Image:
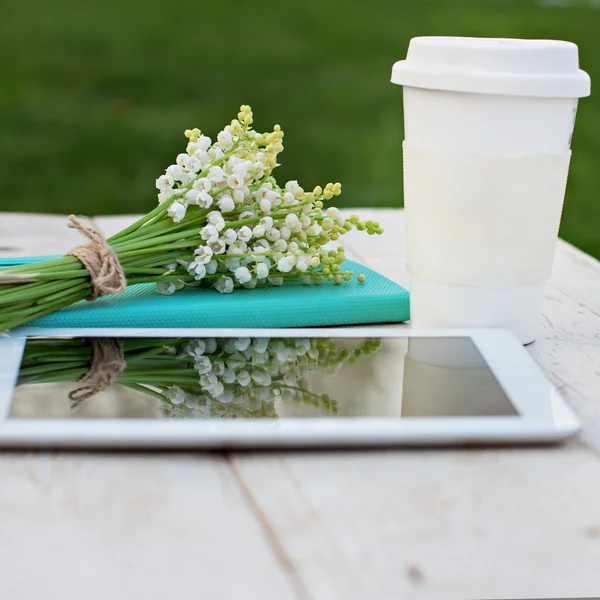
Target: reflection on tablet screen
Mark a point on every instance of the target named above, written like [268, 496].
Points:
[255, 378]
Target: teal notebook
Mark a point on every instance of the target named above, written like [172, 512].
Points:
[378, 300]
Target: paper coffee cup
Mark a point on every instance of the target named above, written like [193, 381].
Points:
[488, 127]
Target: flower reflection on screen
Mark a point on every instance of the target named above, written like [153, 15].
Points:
[238, 377]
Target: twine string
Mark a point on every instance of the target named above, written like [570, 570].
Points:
[108, 360]
[99, 259]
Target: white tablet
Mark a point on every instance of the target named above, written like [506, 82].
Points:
[273, 388]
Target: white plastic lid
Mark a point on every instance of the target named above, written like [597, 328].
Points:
[541, 68]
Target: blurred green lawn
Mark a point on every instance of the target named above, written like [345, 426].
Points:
[94, 96]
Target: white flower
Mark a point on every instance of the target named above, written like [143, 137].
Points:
[177, 173]
[250, 285]
[225, 139]
[216, 219]
[271, 196]
[176, 211]
[193, 164]
[209, 233]
[289, 199]
[238, 195]
[242, 343]
[205, 200]
[302, 346]
[259, 169]
[315, 261]
[203, 365]
[333, 213]
[244, 378]
[261, 246]
[166, 288]
[165, 195]
[192, 196]
[290, 186]
[239, 247]
[203, 254]
[218, 246]
[204, 184]
[285, 232]
[273, 235]
[305, 220]
[211, 345]
[302, 264]
[241, 167]
[232, 263]
[218, 367]
[262, 270]
[197, 269]
[204, 142]
[182, 159]
[265, 206]
[229, 376]
[258, 231]
[215, 153]
[285, 264]
[243, 275]
[289, 378]
[280, 245]
[292, 247]
[226, 203]
[216, 175]
[235, 181]
[211, 267]
[176, 395]
[229, 236]
[208, 381]
[261, 344]
[245, 234]
[217, 391]
[164, 182]
[267, 223]
[196, 347]
[224, 285]
[260, 194]
[276, 281]
[292, 221]
[261, 377]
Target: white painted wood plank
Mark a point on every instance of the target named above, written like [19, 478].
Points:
[128, 526]
[30, 234]
[113, 224]
[456, 524]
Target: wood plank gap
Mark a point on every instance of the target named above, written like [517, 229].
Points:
[271, 538]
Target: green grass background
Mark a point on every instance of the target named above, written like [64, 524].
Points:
[95, 95]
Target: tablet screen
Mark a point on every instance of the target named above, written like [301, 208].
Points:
[255, 378]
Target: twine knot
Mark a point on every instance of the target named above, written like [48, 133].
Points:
[99, 259]
[108, 360]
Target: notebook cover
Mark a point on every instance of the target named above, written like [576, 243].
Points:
[378, 300]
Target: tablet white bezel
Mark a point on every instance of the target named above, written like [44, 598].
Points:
[520, 377]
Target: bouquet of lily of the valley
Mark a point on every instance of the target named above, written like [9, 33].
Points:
[222, 221]
[204, 378]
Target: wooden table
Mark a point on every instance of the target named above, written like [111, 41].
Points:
[376, 525]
